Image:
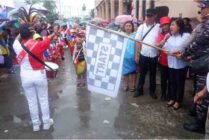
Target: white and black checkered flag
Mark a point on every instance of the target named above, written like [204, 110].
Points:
[105, 52]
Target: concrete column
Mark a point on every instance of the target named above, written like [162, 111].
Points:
[107, 13]
[134, 8]
[112, 9]
[120, 5]
[103, 10]
[99, 11]
[140, 10]
[148, 4]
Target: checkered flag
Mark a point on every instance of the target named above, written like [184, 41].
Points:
[105, 52]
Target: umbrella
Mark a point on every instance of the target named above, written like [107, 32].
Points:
[40, 8]
[100, 20]
[7, 3]
[20, 3]
[3, 16]
[13, 14]
[124, 18]
[113, 26]
[2, 25]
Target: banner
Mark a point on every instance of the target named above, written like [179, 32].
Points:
[104, 55]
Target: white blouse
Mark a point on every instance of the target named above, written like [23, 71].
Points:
[174, 43]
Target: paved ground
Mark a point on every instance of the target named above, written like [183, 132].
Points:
[80, 114]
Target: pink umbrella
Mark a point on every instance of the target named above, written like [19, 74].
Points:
[100, 20]
[124, 18]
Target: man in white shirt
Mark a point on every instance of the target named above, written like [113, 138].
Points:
[146, 56]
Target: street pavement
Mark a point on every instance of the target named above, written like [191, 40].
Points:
[80, 114]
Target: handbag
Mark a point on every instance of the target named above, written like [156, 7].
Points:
[200, 65]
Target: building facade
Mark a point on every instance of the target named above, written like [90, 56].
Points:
[109, 9]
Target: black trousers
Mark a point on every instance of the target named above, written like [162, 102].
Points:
[165, 84]
[177, 79]
[202, 109]
[147, 64]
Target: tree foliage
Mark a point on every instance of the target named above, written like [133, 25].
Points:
[84, 7]
[50, 5]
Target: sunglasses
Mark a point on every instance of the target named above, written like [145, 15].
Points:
[150, 15]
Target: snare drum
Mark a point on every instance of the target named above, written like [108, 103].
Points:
[49, 73]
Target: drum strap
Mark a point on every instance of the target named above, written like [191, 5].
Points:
[23, 53]
[78, 55]
[35, 57]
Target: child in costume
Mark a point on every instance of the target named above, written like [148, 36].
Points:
[56, 49]
[80, 62]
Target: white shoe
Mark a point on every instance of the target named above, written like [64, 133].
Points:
[36, 128]
[47, 126]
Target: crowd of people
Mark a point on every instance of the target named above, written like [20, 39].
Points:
[34, 46]
[7, 55]
[180, 48]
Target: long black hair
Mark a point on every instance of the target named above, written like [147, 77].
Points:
[180, 23]
[130, 22]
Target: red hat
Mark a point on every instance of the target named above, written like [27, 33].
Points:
[165, 20]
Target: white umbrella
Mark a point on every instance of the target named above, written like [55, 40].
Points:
[13, 14]
[39, 7]
[7, 3]
[20, 3]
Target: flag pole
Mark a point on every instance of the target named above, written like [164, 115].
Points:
[126, 36]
